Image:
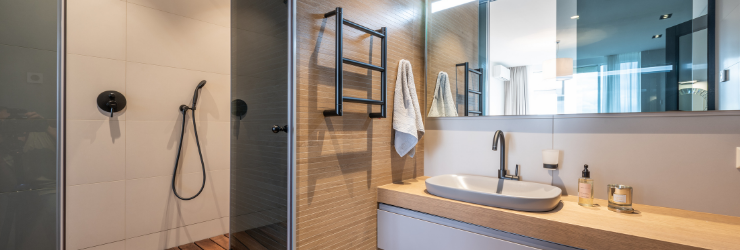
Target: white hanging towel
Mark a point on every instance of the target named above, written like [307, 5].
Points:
[443, 104]
[406, 112]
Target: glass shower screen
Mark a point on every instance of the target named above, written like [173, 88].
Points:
[28, 124]
[260, 131]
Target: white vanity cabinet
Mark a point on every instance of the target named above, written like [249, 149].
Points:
[403, 229]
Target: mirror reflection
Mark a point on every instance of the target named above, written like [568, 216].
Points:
[540, 57]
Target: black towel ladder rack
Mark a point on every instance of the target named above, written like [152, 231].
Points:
[478, 72]
[339, 98]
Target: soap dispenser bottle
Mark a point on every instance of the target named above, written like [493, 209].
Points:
[586, 188]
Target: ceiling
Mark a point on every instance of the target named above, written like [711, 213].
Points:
[608, 27]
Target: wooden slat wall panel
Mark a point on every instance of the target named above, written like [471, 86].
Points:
[341, 160]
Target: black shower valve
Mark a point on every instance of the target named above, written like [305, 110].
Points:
[111, 101]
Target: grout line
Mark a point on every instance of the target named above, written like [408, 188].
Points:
[728, 67]
[105, 244]
[187, 17]
[17, 46]
[125, 139]
[141, 178]
[152, 64]
[175, 228]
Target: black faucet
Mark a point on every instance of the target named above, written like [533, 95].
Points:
[502, 174]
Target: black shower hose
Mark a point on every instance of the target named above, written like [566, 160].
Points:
[184, 110]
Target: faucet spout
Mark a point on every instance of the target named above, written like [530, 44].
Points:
[498, 137]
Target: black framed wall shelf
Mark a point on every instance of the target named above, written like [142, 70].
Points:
[469, 91]
[339, 98]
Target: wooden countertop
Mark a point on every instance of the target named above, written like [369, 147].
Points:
[582, 227]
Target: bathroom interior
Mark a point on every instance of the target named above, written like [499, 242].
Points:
[468, 124]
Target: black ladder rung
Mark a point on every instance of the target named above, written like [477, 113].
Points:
[474, 92]
[475, 71]
[360, 100]
[363, 65]
[475, 112]
[363, 28]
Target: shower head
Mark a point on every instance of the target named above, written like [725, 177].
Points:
[195, 95]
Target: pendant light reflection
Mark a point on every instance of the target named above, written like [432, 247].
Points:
[559, 69]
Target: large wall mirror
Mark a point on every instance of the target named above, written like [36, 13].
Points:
[543, 57]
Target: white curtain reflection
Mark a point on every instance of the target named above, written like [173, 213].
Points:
[620, 91]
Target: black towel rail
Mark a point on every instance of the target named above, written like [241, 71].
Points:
[339, 98]
[478, 72]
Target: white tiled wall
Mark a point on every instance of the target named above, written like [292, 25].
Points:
[119, 169]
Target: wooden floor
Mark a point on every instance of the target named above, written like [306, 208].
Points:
[262, 238]
[220, 242]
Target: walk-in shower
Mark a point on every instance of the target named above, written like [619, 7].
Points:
[89, 133]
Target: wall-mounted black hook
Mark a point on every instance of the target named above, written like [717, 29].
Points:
[239, 108]
[111, 101]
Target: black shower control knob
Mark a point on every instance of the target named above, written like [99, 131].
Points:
[111, 101]
[277, 128]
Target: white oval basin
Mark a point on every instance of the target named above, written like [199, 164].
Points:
[491, 191]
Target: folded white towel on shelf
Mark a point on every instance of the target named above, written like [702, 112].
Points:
[407, 120]
[443, 104]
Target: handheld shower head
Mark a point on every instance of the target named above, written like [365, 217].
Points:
[195, 95]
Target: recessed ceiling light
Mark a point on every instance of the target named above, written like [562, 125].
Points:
[575, 17]
[658, 36]
[666, 16]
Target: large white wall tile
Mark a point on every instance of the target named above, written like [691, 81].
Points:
[213, 11]
[87, 77]
[152, 146]
[179, 236]
[151, 207]
[95, 214]
[96, 151]
[161, 38]
[28, 23]
[97, 28]
[155, 93]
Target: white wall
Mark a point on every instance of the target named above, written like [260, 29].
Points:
[676, 160]
[119, 169]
